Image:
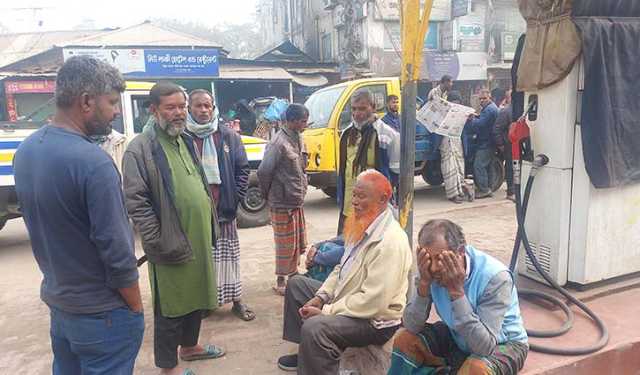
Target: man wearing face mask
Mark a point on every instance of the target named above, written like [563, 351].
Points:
[71, 198]
[226, 167]
[169, 201]
[367, 143]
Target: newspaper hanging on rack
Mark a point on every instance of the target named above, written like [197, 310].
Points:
[445, 118]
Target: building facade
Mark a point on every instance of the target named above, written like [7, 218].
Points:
[471, 40]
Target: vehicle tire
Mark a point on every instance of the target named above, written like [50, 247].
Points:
[432, 174]
[253, 210]
[496, 173]
[331, 191]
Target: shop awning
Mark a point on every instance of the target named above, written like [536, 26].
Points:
[309, 80]
[253, 72]
[268, 73]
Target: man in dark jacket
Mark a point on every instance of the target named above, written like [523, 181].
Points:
[501, 135]
[226, 167]
[283, 181]
[482, 127]
[168, 198]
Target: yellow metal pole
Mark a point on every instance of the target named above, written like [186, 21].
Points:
[414, 26]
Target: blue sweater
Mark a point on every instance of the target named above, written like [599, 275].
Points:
[71, 198]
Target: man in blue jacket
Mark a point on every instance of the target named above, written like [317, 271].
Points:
[482, 127]
[481, 331]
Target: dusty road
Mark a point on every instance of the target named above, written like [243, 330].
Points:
[252, 348]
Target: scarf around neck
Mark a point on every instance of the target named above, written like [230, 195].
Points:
[209, 152]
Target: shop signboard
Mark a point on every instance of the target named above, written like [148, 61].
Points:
[155, 63]
[509, 44]
[460, 8]
[30, 87]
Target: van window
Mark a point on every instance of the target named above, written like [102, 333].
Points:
[321, 105]
[140, 105]
[379, 93]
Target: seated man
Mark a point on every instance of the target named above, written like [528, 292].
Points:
[481, 331]
[361, 302]
[323, 257]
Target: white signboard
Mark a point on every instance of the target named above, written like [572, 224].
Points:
[126, 60]
[442, 117]
[390, 10]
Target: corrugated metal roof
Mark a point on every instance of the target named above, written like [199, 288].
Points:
[16, 47]
[145, 34]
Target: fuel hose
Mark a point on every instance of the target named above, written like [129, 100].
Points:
[521, 238]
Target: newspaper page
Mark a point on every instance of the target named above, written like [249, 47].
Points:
[442, 117]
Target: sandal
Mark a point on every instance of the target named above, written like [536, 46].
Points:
[280, 290]
[243, 312]
[210, 352]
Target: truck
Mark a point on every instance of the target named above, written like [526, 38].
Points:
[252, 210]
[330, 113]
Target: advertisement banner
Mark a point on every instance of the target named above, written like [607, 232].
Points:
[155, 63]
[389, 10]
[461, 66]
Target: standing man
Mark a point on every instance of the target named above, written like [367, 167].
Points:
[442, 90]
[367, 143]
[482, 127]
[283, 181]
[392, 117]
[501, 135]
[226, 167]
[168, 200]
[452, 163]
[72, 202]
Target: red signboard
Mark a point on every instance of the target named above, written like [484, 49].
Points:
[29, 87]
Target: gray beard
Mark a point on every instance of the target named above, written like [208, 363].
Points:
[171, 129]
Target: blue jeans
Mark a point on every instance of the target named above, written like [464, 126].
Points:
[92, 344]
[481, 168]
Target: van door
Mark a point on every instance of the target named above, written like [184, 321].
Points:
[135, 112]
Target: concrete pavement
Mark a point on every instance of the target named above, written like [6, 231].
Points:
[252, 347]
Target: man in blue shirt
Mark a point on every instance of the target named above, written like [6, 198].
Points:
[482, 127]
[71, 197]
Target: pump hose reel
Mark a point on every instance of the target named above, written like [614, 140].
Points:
[519, 135]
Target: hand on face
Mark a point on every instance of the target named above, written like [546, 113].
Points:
[453, 273]
[424, 266]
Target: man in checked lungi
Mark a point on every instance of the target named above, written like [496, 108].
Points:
[283, 181]
[226, 167]
[481, 331]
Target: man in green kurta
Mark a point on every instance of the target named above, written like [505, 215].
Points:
[169, 202]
